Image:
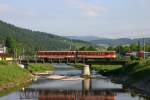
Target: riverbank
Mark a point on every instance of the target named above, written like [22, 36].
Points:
[12, 76]
[135, 74]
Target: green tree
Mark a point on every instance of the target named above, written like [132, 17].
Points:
[134, 47]
[110, 48]
[82, 48]
[91, 48]
[122, 50]
[10, 44]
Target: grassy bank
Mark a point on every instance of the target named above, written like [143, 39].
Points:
[134, 74]
[134, 71]
[77, 65]
[11, 75]
[40, 67]
[107, 69]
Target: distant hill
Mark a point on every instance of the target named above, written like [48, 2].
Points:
[34, 40]
[112, 42]
[83, 38]
[121, 41]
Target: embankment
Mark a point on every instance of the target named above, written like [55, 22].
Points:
[135, 74]
[12, 76]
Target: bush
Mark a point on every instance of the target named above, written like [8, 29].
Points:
[3, 63]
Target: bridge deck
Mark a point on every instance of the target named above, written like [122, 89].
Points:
[89, 62]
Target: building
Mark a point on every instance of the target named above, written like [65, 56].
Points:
[140, 54]
[2, 49]
[4, 56]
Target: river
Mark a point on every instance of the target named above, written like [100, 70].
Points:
[96, 88]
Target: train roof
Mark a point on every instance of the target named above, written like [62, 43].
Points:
[76, 51]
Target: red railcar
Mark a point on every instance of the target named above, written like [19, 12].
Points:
[56, 54]
[79, 54]
[97, 54]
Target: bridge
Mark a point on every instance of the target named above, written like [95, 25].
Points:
[86, 57]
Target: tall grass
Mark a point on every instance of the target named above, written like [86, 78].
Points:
[11, 73]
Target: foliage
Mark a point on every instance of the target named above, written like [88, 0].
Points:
[88, 48]
[3, 63]
[107, 69]
[110, 48]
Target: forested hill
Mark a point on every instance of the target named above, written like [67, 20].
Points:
[120, 41]
[31, 41]
[110, 42]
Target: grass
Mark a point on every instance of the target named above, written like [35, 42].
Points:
[40, 67]
[135, 70]
[12, 76]
[11, 73]
[78, 65]
[140, 71]
[107, 69]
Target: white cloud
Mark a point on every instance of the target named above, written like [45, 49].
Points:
[4, 8]
[86, 7]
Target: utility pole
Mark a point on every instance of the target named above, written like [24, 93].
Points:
[71, 45]
[139, 46]
[23, 56]
[144, 47]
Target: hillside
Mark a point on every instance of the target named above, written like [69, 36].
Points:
[83, 38]
[112, 42]
[34, 40]
[121, 41]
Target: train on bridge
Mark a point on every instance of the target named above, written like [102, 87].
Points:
[76, 54]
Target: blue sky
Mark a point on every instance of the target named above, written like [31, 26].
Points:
[102, 18]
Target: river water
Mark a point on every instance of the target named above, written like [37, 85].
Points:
[96, 88]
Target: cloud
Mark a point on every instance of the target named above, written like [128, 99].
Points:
[5, 8]
[86, 7]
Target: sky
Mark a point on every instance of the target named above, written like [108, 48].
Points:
[101, 18]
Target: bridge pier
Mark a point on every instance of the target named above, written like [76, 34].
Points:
[86, 71]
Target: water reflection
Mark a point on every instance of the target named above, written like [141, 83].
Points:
[86, 93]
